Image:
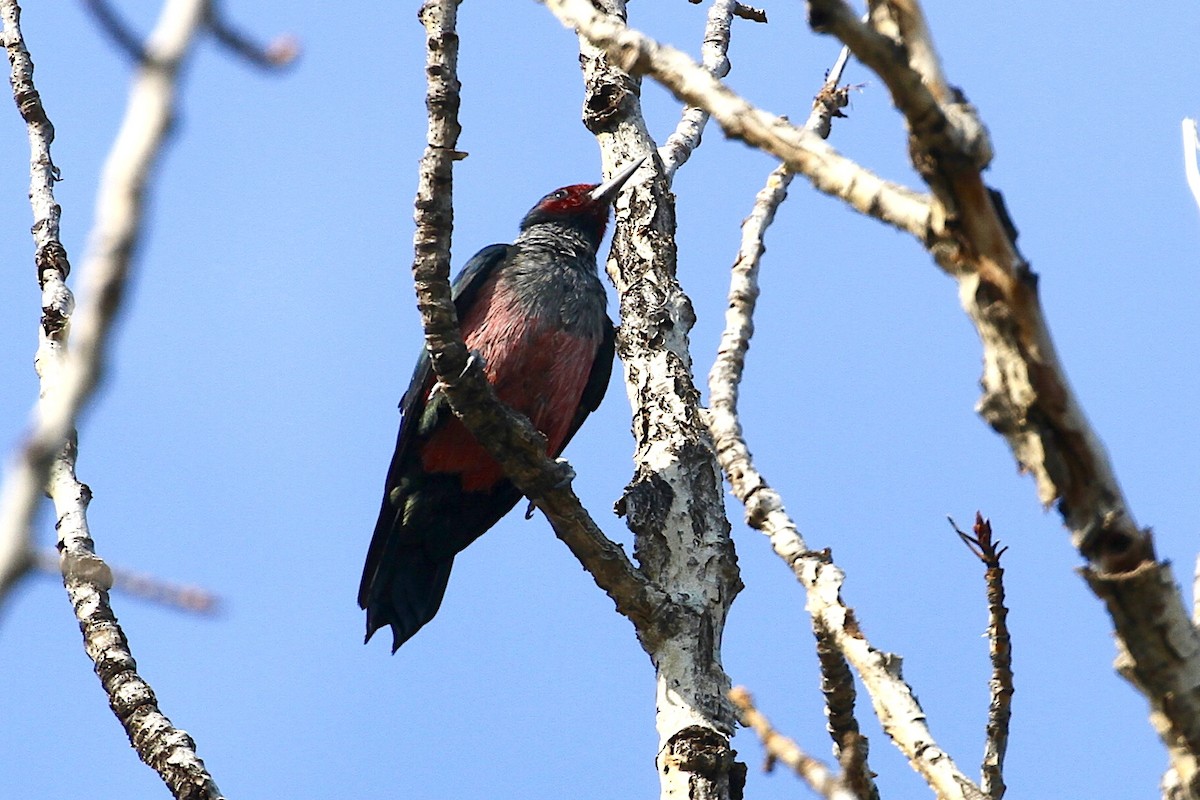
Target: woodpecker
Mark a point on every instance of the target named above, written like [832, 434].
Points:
[534, 310]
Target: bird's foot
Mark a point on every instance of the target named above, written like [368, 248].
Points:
[566, 473]
[475, 357]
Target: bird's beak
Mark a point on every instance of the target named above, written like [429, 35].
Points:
[607, 192]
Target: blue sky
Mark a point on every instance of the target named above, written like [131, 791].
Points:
[242, 438]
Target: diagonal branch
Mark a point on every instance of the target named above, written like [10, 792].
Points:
[1027, 398]
[820, 778]
[123, 36]
[508, 437]
[806, 154]
[282, 52]
[192, 599]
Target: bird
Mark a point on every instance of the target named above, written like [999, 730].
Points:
[535, 312]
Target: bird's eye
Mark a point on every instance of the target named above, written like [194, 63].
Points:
[560, 194]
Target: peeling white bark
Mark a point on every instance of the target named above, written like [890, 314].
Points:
[674, 502]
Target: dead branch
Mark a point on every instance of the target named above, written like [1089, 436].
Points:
[192, 599]
[281, 52]
[714, 54]
[1000, 686]
[820, 778]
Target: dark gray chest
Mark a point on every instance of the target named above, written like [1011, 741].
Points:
[553, 279]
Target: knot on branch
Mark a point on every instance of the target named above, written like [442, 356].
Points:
[706, 753]
[645, 506]
[86, 568]
[609, 99]
[968, 131]
[51, 255]
[1112, 544]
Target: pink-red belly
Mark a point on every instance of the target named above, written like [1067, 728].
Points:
[540, 373]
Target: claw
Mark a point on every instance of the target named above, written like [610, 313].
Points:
[566, 472]
[475, 357]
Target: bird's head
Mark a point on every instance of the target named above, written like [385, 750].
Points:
[583, 206]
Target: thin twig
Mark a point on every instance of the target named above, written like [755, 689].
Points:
[67, 379]
[752, 13]
[1000, 685]
[118, 30]
[1027, 398]
[714, 55]
[832, 619]
[192, 599]
[508, 437]
[913, 75]
[281, 52]
[811, 770]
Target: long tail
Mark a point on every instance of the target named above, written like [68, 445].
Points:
[405, 593]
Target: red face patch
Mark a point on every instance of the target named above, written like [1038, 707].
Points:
[568, 199]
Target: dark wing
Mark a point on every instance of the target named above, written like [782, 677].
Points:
[413, 410]
[597, 382]
[463, 291]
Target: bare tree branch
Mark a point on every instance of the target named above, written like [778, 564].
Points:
[724, 379]
[742, 10]
[282, 52]
[1027, 398]
[192, 599]
[686, 138]
[989, 551]
[25, 476]
[829, 171]
[113, 239]
[849, 745]
[110, 21]
[67, 379]
[812, 771]
[895, 703]
[1026, 395]
[752, 13]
